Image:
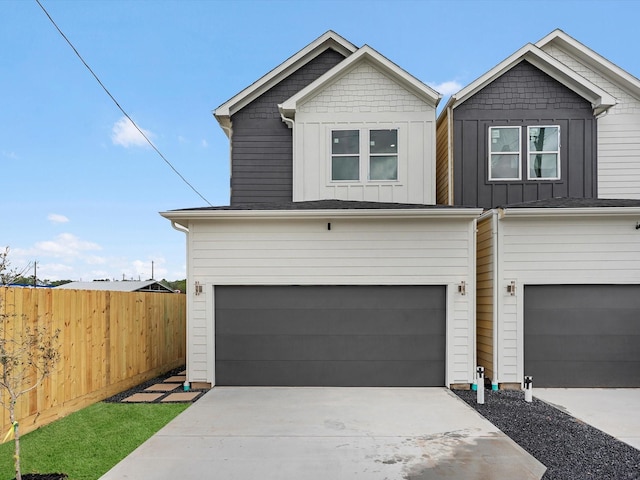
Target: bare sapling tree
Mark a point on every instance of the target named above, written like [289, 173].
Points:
[8, 274]
[28, 355]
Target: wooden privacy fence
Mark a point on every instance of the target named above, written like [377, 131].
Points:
[109, 341]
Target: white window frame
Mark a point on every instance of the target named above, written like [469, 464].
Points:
[338, 155]
[543, 152]
[491, 153]
[364, 156]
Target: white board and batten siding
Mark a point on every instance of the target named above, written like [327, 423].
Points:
[618, 132]
[365, 99]
[559, 249]
[353, 252]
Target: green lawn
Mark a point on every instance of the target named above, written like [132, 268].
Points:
[86, 444]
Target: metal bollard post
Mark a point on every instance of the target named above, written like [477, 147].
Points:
[528, 389]
[480, 381]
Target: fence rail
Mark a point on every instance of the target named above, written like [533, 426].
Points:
[109, 341]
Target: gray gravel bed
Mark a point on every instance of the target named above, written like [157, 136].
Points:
[569, 448]
[143, 386]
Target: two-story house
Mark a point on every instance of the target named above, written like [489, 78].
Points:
[332, 265]
[548, 142]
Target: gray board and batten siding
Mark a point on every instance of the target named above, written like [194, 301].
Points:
[582, 335]
[330, 335]
[523, 96]
[262, 144]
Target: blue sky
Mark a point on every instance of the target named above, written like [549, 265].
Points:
[81, 191]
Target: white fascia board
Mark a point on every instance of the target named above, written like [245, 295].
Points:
[568, 212]
[581, 52]
[408, 81]
[599, 98]
[184, 217]
[328, 40]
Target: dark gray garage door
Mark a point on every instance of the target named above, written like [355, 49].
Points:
[582, 335]
[330, 335]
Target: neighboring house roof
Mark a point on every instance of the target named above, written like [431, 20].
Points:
[599, 98]
[573, 206]
[124, 286]
[380, 62]
[329, 40]
[319, 209]
[577, 50]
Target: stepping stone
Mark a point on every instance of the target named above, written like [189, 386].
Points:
[176, 379]
[161, 387]
[143, 397]
[181, 397]
[200, 385]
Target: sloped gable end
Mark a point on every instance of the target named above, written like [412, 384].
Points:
[371, 101]
[364, 89]
[597, 69]
[619, 130]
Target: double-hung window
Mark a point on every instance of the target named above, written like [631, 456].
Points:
[371, 154]
[544, 153]
[504, 153]
[345, 155]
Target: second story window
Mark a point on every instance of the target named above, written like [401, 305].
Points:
[383, 155]
[541, 160]
[544, 153]
[345, 155]
[368, 154]
[504, 153]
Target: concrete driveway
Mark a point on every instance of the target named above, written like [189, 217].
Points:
[319, 433]
[615, 411]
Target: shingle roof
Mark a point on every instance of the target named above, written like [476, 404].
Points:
[324, 205]
[566, 202]
[124, 286]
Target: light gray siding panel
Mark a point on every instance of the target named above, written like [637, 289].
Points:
[330, 335]
[582, 335]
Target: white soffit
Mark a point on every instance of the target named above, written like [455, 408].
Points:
[366, 53]
[599, 98]
[584, 54]
[328, 40]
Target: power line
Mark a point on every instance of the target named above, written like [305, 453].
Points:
[119, 107]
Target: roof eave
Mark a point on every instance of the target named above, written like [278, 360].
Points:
[408, 81]
[596, 61]
[184, 217]
[328, 40]
[568, 212]
[600, 99]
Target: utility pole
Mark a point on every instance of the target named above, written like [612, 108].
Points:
[152, 277]
[35, 274]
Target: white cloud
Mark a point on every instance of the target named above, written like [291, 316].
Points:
[204, 143]
[64, 245]
[10, 155]
[125, 134]
[57, 218]
[446, 88]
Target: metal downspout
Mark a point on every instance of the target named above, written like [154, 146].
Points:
[496, 304]
[187, 384]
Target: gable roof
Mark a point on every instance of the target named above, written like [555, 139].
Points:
[329, 40]
[594, 60]
[368, 54]
[599, 98]
[124, 286]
